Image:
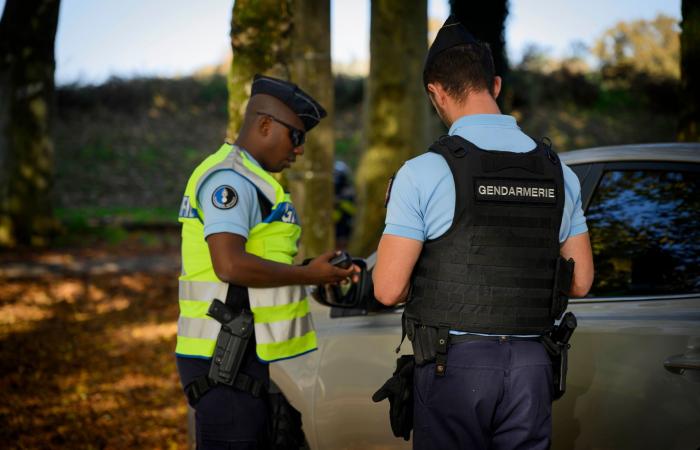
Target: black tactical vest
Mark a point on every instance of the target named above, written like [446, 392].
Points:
[493, 271]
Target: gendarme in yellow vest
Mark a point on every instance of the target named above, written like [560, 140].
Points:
[283, 325]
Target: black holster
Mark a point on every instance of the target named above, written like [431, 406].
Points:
[399, 390]
[557, 342]
[231, 343]
[424, 341]
[559, 355]
[557, 345]
[429, 344]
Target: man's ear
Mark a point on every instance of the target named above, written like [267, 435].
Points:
[436, 94]
[264, 125]
[497, 83]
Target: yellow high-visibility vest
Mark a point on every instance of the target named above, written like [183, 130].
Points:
[283, 325]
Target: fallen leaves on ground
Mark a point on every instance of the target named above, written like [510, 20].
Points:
[88, 363]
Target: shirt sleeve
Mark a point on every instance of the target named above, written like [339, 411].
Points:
[403, 215]
[229, 204]
[573, 221]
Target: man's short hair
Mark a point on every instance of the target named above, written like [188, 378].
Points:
[462, 69]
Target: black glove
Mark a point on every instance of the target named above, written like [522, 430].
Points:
[399, 390]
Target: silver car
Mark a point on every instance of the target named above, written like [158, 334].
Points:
[634, 366]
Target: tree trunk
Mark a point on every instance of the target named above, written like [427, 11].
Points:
[396, 110]
[261, 33]
[486, 21]
[689, 125]
[290, 39]
[27, 32]
[311, 178]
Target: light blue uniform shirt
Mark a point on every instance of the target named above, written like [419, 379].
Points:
[240, 218]
[422, 201]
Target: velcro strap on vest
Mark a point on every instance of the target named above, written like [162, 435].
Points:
[203, 384]
[506, 161]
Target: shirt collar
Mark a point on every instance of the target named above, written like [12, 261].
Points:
[253, 160]
[250, 157]
[484, 120]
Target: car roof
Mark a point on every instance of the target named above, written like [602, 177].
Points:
[672, 152]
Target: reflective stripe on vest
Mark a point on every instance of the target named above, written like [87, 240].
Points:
[283, 325]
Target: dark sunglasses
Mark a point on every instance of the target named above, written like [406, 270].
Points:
[296, 135]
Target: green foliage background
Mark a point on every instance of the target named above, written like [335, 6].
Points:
[124, 149]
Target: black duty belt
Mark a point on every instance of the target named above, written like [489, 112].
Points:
[457, 338]
[203, 384]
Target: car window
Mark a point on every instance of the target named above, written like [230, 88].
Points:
[645, 233]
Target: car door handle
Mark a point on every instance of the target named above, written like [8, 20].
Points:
[680, 363]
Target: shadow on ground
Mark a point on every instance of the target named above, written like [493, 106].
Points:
[86, 360]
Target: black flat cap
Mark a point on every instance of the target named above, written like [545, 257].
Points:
[452, 34]
[302, 104]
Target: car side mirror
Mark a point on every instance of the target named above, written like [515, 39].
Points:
[349, 296]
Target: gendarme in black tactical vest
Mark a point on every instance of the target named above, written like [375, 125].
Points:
[485, 282]
[494, 270]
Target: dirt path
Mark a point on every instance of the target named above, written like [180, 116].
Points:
[72, 266]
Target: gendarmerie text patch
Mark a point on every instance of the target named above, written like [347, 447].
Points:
[511, 190]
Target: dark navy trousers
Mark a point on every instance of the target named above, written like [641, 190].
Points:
[496, 394]
[226, 418]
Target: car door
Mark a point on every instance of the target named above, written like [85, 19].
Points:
[357, 357]
[333, 386]
[634, 378]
